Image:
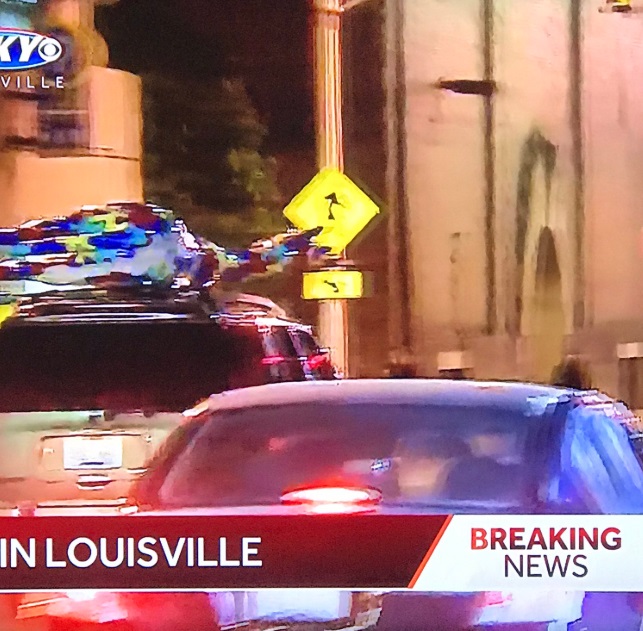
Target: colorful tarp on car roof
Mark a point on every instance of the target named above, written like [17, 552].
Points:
[132, 243]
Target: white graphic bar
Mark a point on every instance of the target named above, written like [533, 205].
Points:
[579, 552]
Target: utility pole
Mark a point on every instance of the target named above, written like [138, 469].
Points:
[333, 314]
[401, 339]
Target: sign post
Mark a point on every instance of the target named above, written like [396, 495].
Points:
[332, 202]
[333, 315]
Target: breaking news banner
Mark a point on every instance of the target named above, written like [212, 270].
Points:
[463, 553]
[573, 552]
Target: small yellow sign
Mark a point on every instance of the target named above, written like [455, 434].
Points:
[332, 201]
[6, 311]
[333, 285]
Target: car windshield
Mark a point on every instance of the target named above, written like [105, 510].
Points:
[414, 454]
[155, 366]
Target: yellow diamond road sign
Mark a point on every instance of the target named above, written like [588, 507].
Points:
[335, 203]
[333, 285]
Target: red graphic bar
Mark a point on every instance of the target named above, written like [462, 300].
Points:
[139, 552]
[430, 551]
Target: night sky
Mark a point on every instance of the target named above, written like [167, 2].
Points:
[269, 44]
[266, 42]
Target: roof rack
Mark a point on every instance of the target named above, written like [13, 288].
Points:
[127, 302]
[250, 303]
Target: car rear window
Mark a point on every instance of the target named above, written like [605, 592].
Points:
[158, 366]
[277, 343]
[416, 455]
[282, 360]
[304, 343]
[147, 487]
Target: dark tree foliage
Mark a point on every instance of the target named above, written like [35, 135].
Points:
[202, 136]
[203, 158]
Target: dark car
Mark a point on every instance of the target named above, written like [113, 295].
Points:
[429, 447]
[315, 360]
[94, 380]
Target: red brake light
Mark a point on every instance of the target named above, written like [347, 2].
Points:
[340, 497]
[495, 599]
[25, 509]
[273, 359]
[73, 609]
[316, 361]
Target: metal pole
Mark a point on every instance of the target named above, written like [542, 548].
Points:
[578, 155]
[401, 341]
[489, 163]
[333, 314]
[401, 194]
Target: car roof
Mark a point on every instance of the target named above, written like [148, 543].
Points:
[502, 395]
[109, 307]
[130, 304]
[261, 320]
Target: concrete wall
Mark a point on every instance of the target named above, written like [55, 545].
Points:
[533, 56]
[115, 117]
[52, 186]
[614, 130]
[38, 184]
[445, 175]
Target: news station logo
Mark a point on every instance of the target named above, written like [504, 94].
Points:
[21, 51]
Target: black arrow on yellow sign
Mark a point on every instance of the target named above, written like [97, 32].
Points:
[333, 201]
[333, 285]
